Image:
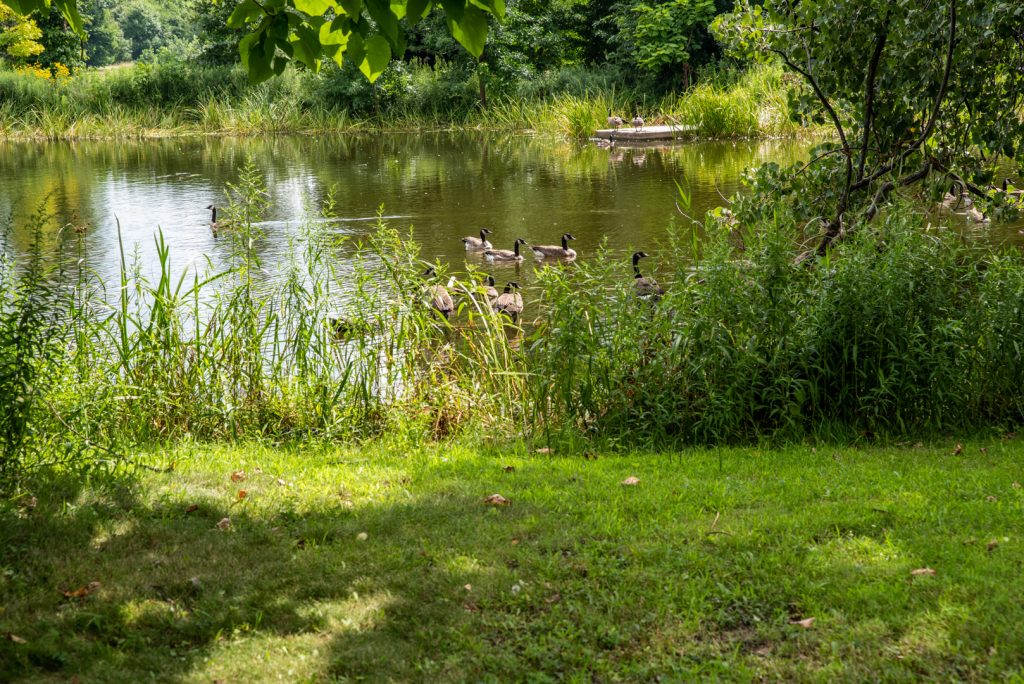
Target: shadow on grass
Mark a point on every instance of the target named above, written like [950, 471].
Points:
[614, 582]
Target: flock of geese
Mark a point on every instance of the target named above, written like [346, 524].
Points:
[957, 198]
[510, 302]
[617, 121]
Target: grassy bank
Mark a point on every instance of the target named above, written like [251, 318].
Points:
[146, 101]
[385, 564]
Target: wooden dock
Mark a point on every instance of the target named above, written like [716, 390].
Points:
[626, 133]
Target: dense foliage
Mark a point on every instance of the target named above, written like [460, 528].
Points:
[915, 92]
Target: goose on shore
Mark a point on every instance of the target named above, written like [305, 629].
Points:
[638, 123]
[509, 303]
[645, 287]
[614, 121]
[477, 244]
[437, 297]
[496, 255]
[216, 225]
[554, 251]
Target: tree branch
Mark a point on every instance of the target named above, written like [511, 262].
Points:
[876, 56]
[930, 124]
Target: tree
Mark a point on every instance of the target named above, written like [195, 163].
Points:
[106, 43]
[915, 92]
[142, 26]
[365, 32]
[61, 44]
[663, 34]
[19, 36]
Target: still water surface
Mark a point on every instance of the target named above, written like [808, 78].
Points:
[441, 185]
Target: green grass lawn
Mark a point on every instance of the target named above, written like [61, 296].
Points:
[387, 565]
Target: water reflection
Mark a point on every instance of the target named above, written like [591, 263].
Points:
[442, 185]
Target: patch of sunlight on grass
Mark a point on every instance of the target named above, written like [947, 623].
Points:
[357, 613]
[862, 554]
[264, 658]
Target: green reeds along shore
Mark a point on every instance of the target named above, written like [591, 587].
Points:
[144, 101]
[902, 333]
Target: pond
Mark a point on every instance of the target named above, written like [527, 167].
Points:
[441, 185]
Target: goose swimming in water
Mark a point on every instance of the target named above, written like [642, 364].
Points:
[509, 303]
[437, 297]
[474, 244]
[554, 251]
[645, 287]
[496, 255]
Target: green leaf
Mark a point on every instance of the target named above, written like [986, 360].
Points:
[416, 10]
[378, 54]
[352, 8]
[244, 13]
[387, 22]
[306, 46]
[256, 57]
[315, 8]
[69, 9]
[470, 30]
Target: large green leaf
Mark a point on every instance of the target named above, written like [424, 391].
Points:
[470, 29]
[378, 54]
[246, 11]
[387, 22]
[315, 8]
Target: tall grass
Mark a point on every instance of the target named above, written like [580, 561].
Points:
[899, 332]
[182, 99]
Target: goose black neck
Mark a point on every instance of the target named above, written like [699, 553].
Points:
[483, 236]
[508, 288]
[213, 219]
[565, 242]
[516, 250]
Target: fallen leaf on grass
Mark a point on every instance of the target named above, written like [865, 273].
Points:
[362, 536]
[919, 572]
[805, 623]
[82, 592]
[1016, 485]
[471, 607]
[16, 639]
[991, 499]
[509, 469]
[242, 494]
[281, 483]
[468, 587]
[970, 542]
[192, 509]
[991, 546]
[238, 476]
[496, 500]
[589, 456]
[554, 598]
[31, 503]
[631, 480]
[224, 524]
[544, 450]
[958, 449]
[983, 450]
[258, 471]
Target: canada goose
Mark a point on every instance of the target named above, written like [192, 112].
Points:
[614, 121]
[474, 244]
[509, 303]
[1009, 189]
[645, 287]
[975, 215]
[956, 197]
[438, 299]
[493, 255]
[554, 251]
[489, 291]
[638, 122]
[216, 225]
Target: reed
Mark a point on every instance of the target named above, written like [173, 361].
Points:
[900, 332]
